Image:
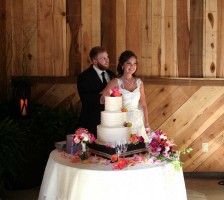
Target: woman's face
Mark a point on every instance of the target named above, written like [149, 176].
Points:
[130, 66]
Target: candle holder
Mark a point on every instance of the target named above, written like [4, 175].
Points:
[21, 93]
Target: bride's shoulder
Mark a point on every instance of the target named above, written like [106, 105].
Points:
[139, 81]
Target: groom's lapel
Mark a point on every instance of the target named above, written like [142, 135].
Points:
[95, 76]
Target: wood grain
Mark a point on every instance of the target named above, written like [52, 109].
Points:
[3, 61]
[108, 32]
[220, 39]
[59, 37]
[133, 29]
[171, 38]
[193, 114]
[30, 24]
[120, 28]
[183, 38]
[73, 18]
[146, 37]
[210, 38]
[196, 39]
[156, 37]
[45, 51]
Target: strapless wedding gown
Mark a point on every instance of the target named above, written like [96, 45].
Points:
[131, 103]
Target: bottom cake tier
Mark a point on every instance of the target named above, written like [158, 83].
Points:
[107, 152]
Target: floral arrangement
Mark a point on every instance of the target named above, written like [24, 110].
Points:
[114, 92]
[135, 139]
[160, 144]
[82, 135]
[161, 147]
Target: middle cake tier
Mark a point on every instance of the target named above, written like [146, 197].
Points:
[107, 135]
[113, 119]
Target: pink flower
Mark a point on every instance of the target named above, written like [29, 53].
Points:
[115, 92]
[137, 158]
[140, 139]
[92, 138]
[76, 140]
[83, 135]
[81, 131]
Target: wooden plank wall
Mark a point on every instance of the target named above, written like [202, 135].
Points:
[171, 38]
[191, 112]
[3, 62]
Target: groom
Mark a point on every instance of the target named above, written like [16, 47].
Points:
[90, 83]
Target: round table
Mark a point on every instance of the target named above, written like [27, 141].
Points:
[64, 180]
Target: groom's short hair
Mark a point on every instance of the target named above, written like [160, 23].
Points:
[95, 51]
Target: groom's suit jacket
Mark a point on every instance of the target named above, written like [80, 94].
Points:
[89, 86]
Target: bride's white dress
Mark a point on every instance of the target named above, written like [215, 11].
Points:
[135, 113]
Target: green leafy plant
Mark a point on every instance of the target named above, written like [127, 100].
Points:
[12, 140]
[26, 143]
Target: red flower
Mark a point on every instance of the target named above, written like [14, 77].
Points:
[114, 158]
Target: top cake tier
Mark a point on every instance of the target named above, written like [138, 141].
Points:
[113, 103]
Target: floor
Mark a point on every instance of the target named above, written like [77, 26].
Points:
[197, 189]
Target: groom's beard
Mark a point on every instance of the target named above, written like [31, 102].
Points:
[103, 67]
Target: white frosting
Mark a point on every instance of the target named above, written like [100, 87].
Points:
[110, 135]
[113, 119]
[113, 103]
[112, 127]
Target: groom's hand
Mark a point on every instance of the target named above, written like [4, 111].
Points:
[102, 99]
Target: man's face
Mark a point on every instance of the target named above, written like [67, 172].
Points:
[101, 61]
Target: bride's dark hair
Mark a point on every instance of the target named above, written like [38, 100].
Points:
[122, 59]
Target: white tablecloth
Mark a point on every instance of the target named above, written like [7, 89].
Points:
[64, 180]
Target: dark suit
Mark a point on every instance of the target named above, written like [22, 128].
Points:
[89, 86]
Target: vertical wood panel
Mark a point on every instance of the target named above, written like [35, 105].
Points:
[220, 39]
[89, 18]
[133, 30]
[210, 38]
[17, 37]
[59, 31]
[156, 37]
[168, 61]
[45, 59]
[120, 28]
[171, 38]
[30, 25]
[196, 39]
[96, 25]
[73, 12]
[108, 30]
[9, 26]
[86, 32]
[183, 34]
[146, 37]
[3, 74]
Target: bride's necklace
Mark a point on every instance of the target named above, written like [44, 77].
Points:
[131, 82]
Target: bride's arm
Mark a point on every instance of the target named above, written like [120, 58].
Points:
[144, 105]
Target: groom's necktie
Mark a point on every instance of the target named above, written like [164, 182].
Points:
[104, 79]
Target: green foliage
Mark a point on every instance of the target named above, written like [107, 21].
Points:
[26, 143]
[185, 151]
[12, 152]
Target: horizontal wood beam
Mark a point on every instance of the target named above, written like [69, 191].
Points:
[146, 80]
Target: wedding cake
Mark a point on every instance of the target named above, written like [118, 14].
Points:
[112, 127]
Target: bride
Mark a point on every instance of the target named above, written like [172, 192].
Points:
[133, 94]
